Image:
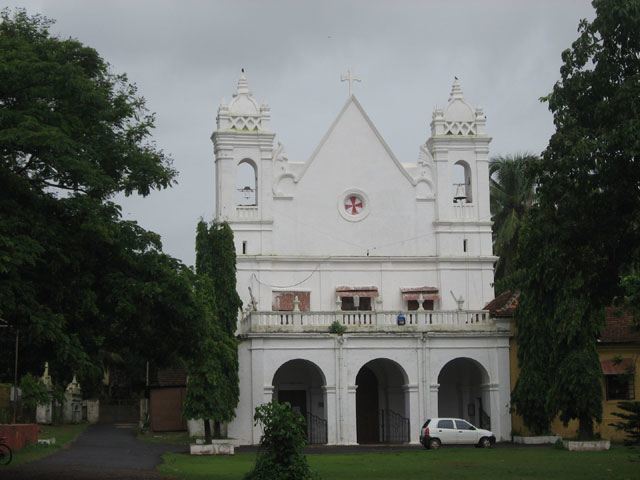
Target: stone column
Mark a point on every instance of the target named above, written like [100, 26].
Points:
[72, 412]
[432, 407]
[414, 413]
[44, 412]
[268, 393]
[492, 390]
[259, 392]
[349, 425]
[331, 413]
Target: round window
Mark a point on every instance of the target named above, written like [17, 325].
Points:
[353, 205]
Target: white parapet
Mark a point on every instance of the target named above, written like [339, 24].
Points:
[367, 321]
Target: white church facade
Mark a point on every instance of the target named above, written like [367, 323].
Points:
[398, 254]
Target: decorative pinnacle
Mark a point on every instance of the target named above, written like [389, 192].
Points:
[243, 85]
[456, 90]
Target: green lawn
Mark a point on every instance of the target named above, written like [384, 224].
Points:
[64, 434]
[447, 463]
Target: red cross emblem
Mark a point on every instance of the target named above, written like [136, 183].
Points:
[353, 205]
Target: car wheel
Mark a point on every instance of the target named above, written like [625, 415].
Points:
[484, 442]
[434, 444]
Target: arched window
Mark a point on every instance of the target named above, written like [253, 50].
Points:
[247, 183]
[462, 182]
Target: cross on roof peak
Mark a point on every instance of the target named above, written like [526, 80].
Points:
[350, 78]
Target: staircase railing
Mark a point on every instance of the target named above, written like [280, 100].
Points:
[316, 429]
[394, 428]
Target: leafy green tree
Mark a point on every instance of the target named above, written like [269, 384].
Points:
[34, 392]
[283, 440]
[583, 230]
[630, 420]
[212, 387]
[512, 193]
[81, 284]
[224, 275]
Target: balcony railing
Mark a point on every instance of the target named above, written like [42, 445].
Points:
[463, 211]
[248, 212]
[368, 321]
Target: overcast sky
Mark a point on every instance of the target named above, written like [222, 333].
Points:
[185, 56]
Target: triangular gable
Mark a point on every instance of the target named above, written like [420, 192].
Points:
[354, 100]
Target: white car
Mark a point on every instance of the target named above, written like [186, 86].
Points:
[444, 431]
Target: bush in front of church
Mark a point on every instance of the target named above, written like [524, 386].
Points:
[281, 454]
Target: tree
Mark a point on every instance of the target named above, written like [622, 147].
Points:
[582, 233]
[224, 275]
[281, 454]
[81, 284]
[630, 420]
[213, 385]
[512, 195]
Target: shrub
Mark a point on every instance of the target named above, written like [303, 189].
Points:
[337, 327]
[34, 392]
[281, 454]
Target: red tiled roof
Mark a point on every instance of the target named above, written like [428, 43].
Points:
[504, 305]
[619, 327]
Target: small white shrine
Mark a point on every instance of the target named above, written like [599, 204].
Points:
[399, 253]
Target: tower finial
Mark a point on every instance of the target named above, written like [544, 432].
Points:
[243, 85]
[456, 90]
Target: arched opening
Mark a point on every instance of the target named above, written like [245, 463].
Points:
[247, 183]
[300, 383]
[463, 392]
[382, 403]
[462, 182]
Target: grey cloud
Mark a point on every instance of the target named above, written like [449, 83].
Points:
[185, 57]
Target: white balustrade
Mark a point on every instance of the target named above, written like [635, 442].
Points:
[463, 211]
[244, 213]
[368, 320]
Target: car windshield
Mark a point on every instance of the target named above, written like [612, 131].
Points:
[426, 423]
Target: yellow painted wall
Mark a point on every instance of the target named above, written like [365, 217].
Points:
[606, 352]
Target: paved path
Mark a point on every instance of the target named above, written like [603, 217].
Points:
[100, 452]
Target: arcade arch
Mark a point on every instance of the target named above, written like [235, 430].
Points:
[463, 392]
[382, 403]
[301, 383]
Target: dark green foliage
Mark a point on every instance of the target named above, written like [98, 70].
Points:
[337, 328]
[224, 275]
[630, 423]
[34, 392]
[512, 194]
[583, 231]
[281, 454]
[66, 121]
[84, 287]
[213, 387]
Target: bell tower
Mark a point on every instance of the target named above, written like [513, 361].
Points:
[243, 149]
[459, 145]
